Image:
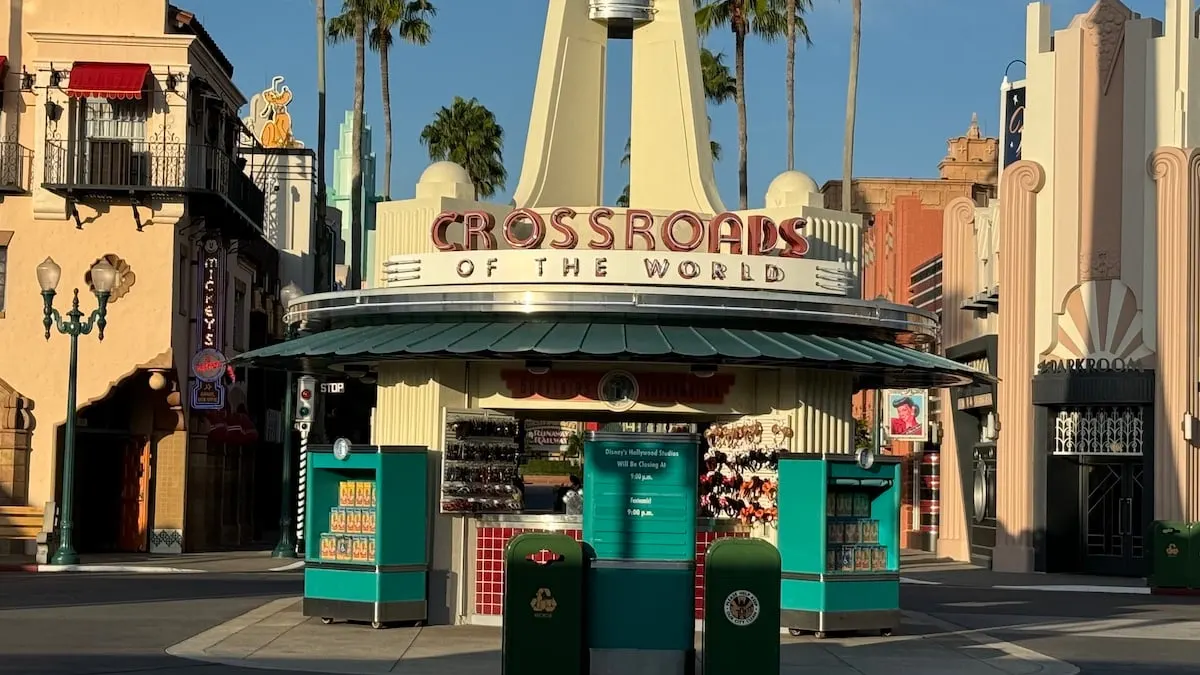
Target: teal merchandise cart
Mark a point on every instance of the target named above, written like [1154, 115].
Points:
[839, 538]
[367, 533]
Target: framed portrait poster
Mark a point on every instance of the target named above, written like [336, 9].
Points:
[906, 414]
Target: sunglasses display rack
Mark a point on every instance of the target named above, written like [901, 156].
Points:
[851, 534]
[480, 464]
[739, 475]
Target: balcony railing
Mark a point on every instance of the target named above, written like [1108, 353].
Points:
[16, 164]
[106, 169]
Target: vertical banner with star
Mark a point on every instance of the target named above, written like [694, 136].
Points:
[1014, 125]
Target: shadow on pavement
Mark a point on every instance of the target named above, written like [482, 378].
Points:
[40, 591]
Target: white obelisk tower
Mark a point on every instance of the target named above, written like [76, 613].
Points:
[670, 159]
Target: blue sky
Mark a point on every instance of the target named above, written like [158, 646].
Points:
[926, 65]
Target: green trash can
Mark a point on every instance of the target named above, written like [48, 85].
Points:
[741, 607]
[1193, 556]
[1170, 556]
[543, 605]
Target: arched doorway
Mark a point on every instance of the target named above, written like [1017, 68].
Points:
[114, 467]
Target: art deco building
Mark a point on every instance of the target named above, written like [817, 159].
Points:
[1077, 290]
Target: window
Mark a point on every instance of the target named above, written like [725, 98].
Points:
[112, 148]
[4, 238]
[239, 315]
[113, 119]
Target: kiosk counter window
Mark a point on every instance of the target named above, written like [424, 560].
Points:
[543, 475]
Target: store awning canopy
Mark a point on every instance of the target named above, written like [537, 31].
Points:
[604, 342]
[108, 80]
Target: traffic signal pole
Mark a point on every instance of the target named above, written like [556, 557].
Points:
[306, 392]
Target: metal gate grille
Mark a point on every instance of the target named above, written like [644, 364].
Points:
[1114, 430]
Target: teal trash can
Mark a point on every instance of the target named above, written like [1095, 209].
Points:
[1169, 541]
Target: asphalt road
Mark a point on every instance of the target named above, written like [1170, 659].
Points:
[110, 624]
[1102, 634]
[113, 624]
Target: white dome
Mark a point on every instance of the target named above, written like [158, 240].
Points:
[793, 188]
[445, 172]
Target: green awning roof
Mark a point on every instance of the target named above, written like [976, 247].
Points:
[604, 341]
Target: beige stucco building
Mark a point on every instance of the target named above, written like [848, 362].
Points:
[122, 140]
[1077, 289]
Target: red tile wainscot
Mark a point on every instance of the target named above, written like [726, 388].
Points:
[489, 564]
[703, 540]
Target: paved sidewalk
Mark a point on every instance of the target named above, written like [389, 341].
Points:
[276, 636]
[145, 563]
[920, 567]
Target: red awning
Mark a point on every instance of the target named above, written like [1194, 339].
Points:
[108, 80]
[3, 63]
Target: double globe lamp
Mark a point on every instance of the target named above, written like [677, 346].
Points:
[104, 277]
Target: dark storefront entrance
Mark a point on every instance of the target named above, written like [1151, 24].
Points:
[1095, 424]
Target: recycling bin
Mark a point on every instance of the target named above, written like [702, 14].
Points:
[1170, 557]
[741, 607]
[543, 605]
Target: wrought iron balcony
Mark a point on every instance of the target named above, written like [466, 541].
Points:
[16, 164]
[107, 170]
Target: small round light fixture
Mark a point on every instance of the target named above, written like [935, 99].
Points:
[537, 367]
[341, 449]
[704, 372]
[866, 458]
[157, 381]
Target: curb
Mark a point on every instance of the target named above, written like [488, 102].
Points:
[110, 569]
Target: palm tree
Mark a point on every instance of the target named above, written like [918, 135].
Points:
[352, 24]
[468, 134]
[764, 18]
[409, 19]
[719, 87]
[851, 104]
[796, 26]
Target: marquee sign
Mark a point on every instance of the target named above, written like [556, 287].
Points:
[681, 232]
[1090, 365]
[208, 363]
[636, 268]
[681, 249]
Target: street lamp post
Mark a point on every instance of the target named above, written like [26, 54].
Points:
[104, 278]
[286, 548]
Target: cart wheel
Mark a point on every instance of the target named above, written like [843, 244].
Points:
[886, 632]
[326, 620]
[376, 625]
[795, 632]
[820, 635]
